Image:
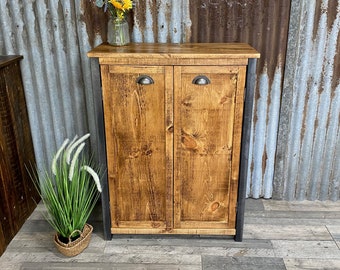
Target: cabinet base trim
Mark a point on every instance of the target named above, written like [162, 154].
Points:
[137, 231]
[205, 231]
[175, 231]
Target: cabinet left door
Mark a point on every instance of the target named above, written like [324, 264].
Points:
[138, 126]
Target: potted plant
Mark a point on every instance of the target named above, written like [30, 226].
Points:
[70, 190]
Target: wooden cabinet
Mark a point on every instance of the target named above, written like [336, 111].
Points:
[18, 195]
[173, 123]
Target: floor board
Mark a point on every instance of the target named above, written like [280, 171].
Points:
[277, 235]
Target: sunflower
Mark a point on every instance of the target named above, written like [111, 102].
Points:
[122, 5]
[116, 8]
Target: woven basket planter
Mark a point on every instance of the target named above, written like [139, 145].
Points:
[73, 248]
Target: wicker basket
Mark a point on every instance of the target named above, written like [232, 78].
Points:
[73, 248]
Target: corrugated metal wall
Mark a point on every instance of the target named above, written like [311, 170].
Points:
[295, 130]
[53, 39]
[264, 25]
[308, 156]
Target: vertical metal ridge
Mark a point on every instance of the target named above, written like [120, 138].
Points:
[324, 109]
[46, 34]
[314, 116]
[161, 21]
[294, 150]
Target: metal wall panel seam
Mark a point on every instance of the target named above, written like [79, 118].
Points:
[310, 109]
[77, 100]
[299, 95]
[287, 97]
[185, 33]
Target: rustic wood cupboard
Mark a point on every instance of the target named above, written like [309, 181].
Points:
[173, 119]
[18, 196]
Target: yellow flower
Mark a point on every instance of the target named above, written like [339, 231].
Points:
[122, 4]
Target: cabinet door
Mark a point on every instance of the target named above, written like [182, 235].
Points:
[139, 171]
[207, 126]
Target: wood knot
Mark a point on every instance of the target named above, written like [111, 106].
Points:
[155, 225]
[147, 151]
[189, 142]
[214, 206]
[224, 100]
[134, 153]
[187, 101]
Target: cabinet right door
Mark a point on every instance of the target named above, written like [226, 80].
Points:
[208, 110]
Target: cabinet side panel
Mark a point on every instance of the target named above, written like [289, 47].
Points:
[134, 124]
[17, 192]
[237, 135]
[3, 243]
[7, 191]
[23, 139]
[6, 224]
[204, 123]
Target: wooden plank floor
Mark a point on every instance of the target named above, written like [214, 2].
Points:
[278, 235]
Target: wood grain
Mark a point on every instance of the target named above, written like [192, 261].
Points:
[135, 124]
[302, 235]
[204, 121]
[173, 147]
[182, 51]
[18, 195]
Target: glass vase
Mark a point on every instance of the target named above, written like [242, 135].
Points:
[118, 32]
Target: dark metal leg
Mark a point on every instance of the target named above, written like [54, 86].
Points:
[101, 146]
[246, 129]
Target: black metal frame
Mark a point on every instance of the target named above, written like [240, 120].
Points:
[244, 161]
[101, 147]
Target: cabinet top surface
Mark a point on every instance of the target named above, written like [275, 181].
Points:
[8, 59]
[176, 51]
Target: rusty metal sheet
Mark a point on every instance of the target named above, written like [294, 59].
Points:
[54, 41]
[264, 25]
[307, 165]
[295, 152]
